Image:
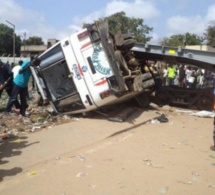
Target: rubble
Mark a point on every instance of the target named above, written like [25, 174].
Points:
[38, 118]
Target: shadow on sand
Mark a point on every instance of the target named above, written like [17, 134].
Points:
[10, 148]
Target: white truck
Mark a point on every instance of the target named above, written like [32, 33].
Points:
[91, 69]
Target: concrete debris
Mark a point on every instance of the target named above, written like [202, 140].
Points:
[38, 118]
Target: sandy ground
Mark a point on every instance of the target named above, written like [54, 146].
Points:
[97, 156]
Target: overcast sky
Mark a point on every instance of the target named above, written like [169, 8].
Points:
[59, 18]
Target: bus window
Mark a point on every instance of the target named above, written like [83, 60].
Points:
[53, 55]
[58, 81]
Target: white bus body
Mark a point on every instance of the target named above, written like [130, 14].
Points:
[88, 70]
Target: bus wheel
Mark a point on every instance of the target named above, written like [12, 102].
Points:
[128, 44]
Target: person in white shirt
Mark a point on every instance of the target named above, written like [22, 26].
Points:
[16, 68]
[201, 80]
[188, 73]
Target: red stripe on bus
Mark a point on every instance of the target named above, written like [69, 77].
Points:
[85, 45]
[101, 83]
[80, 70]
[83, 34]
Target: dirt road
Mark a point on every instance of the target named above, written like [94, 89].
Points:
[97, 156]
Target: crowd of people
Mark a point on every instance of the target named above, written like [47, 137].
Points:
[186, 76]
[14, 80]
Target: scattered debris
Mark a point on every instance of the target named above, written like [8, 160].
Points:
[164, 190]
[166, 107]
[154, 121]
[212, 156]
[31, 173]
[92, 186]
[153, 105]
[204, 113]
[210, 186]
[81, 174]
[149, 163]
[162, 118]
[81, 158]
[185, 111]
[168, 147]
[38, 118]
[185, 182]
[57, 158]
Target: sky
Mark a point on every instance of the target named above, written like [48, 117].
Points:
[59, 18]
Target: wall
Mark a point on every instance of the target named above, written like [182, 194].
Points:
[201, 47]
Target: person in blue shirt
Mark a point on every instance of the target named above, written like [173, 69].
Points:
[20, 86]
[6, 81]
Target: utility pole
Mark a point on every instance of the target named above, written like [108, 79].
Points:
[24, 44]
[13, 40]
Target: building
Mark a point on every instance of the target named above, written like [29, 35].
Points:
[201, 47]
[32, 50]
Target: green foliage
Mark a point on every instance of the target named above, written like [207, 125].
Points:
[174, 41]
[193, 39]
[210, 33]
[133, 26]
[33, 41]
[6, 40]
[182, 40]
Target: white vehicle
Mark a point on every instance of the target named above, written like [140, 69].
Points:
[91, 69]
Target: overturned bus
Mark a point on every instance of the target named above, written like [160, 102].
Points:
[91, 69]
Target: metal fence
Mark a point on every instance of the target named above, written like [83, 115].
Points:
[14, 60]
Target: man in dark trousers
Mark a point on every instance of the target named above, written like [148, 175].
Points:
[20, 85]
[6, 81]
[181, 76]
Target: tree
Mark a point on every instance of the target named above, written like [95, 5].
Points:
[33, 41]
[6, 40]
[193, 39]
[174, 41]
[127, 25]
[182, 40]
[210, 33]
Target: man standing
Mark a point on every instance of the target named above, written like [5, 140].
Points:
[20, 86]
[6, 81]
[171, 71]
[181, 74]
[165, 75]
